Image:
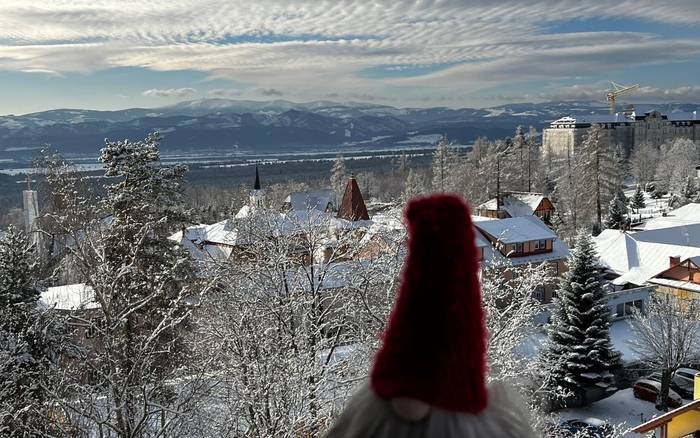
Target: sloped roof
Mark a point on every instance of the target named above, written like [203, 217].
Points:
[352, 207]
[516, 204]
[492, 256]
[686, 215]
[310, 200]
[516, 229]
[70, 297]
[637, 257]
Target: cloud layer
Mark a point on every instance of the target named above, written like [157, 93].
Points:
[170, 92]
[312, 48]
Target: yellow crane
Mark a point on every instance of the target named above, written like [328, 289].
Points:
[617, 90]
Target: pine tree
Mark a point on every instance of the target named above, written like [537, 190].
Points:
[579, 345]
[445, 167]
[637, 201]
[414, 185]
[616, 212]
[601, 166]
[338, 176]
[29, 342]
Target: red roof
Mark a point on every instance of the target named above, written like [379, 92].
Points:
[352, 207]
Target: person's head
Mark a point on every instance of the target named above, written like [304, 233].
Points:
[429, 377]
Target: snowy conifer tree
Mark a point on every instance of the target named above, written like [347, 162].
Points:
[637, 202]
[616, 212]
[144, 287]
[29, 341]
[579, 346]
[446, 175]
[338, 177]
[413, 186]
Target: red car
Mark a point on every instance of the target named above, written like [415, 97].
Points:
[646, 389]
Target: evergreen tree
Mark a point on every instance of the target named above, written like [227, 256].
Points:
[601, 166]
[338, 177]
[414, 185]
[445, 167]
[616, 212]
[579, 345]
[28, 342]
[638, 199]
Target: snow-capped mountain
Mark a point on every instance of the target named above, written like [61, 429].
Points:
[278, 124]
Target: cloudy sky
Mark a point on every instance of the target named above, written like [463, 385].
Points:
[108, 54]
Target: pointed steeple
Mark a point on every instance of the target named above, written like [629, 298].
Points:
[352, 207]
[256, 186]
[257, 195]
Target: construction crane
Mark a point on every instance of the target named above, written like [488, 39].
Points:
[617, 90]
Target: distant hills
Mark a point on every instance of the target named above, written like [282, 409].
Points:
[278, 125]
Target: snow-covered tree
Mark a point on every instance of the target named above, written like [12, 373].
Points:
[414, 185]
[579, 346]
[30, 339]
[338, 176]
[666, 336]
[643, 162]
[445, 168]
[128, 381]
[295, 323]
[601, 165]
[617, 212]
[676, 164]
[637, 202]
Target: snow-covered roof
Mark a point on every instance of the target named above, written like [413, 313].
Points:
[589, 119]
[679, 284]
[686, 215]
[516, 204]
[637, 257]
[316, 199]
[516, 229]
[69, 297]
[684, 116]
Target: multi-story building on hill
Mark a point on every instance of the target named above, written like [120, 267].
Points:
[626, 129]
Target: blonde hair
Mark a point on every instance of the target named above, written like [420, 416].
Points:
[367, 416]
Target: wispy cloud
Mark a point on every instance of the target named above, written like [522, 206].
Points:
[271, 92]
[170, 92]
[310, 48]
[224, 92]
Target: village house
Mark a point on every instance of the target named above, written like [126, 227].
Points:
[518, 241]
[682, 278]
[517, 204]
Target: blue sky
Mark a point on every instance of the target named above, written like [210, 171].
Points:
[111, 54]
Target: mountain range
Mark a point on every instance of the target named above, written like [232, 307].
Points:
[278, 125]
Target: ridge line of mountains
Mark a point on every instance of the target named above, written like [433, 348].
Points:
[281, 126]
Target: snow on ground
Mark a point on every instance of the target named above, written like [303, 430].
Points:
[620, 407]
[654, 207]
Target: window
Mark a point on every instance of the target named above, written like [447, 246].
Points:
[518, 248]
[539, 294]
[541, 244]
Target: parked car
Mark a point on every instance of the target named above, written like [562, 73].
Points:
[646, 389]
[687, 373]
[681, 385]
[586, 427]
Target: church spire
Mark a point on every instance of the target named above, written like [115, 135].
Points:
[352, 207]
[257, 179]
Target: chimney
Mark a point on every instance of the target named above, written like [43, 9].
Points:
[674, 261]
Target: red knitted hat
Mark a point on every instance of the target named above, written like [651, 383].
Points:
[435, 344]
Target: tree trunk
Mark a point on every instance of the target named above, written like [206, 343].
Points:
[662, 397]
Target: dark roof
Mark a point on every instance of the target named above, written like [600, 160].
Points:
[257, 179]
[352, 207]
